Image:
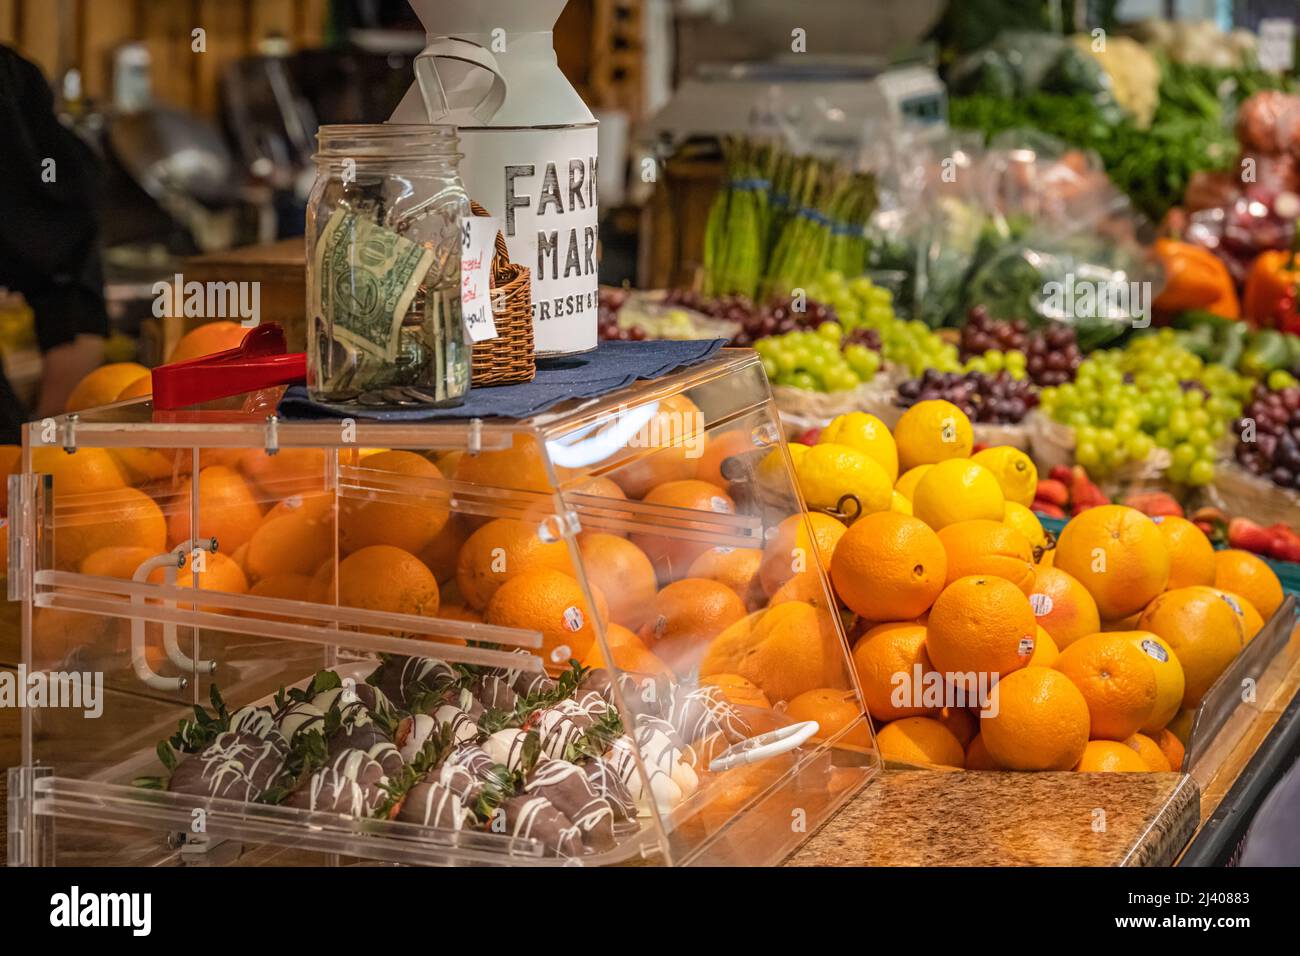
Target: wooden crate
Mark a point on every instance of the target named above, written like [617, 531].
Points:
[672, 223]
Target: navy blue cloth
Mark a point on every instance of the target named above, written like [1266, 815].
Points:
[613, 365]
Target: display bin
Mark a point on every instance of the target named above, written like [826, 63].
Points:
[172, 554]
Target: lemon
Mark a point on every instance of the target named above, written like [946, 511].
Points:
[900, 504]
[906, 485]
[867, 434]
[932, 431]
[828, 472]
[1020, 518]
[1014, 471]
[957, 490]
[771, 470]
[1169, 679]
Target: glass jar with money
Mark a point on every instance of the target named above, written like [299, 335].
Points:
[383, 267]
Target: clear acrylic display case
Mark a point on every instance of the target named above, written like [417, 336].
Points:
[314, 545]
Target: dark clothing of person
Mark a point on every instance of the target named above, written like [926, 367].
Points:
[48, 231]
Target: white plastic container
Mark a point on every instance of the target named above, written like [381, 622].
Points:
[530, 148]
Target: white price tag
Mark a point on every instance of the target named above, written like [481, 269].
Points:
[1276, 44]
[477, 236]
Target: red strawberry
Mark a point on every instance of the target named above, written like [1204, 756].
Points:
[1062, 474]
[1051, 490]
[1049, 509]
[1245, 534]
[1155, 503]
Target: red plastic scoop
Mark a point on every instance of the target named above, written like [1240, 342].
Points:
[260, 361]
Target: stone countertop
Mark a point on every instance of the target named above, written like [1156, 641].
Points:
[936, 818]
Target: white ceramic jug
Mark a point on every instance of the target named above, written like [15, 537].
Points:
[529, 143]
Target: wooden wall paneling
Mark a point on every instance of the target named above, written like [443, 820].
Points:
[39, 32]
[166, 28]
[9, 22]
[270, 18]
[105, 26]
[226, 22]
[310, 23]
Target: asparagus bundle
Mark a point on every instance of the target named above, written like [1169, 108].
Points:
[738, 224]
[781, 220]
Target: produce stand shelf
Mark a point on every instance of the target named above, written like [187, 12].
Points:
[176, 620]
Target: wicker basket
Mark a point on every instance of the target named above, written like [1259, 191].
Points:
[508, 358]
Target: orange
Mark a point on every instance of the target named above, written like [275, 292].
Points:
[294, 537]
[500, 550]
[286, 587]
[737, 568]
[736, 442]
[1035, 720]
[1251, 621]
[737, 690]
[1048, 560]
[116, 561]
[1118, 554]
[219, 573]
[833, 710]
[1204, 630]
[522, 466]
[1243, 573]
[1172, 748]
[1110, 756]
[141, 387]
[289, 587]
[407, 514]
[140, 465]
[87, 471]
[384, 578]
[888, 660]
[671, 556]
[441, 554]
[1150, 752]
[591, 512]
[324, 585]
[1191, 556]
[676, 436]
[457, 612]
[1181, 725]
[623, 573]
[685, 616]
[977, 755]
[1063, 606]
[629, 652]
[980, 624]
[206, 339]
[101, 387]
[807, 587]
[124, 517]
[789, 550]
[227, 509]
[988, 547]
[290, 471]
[785, 650]
[889, 567]
[930, 432]
[920, 740]
[961, 722]
[1045, 650]
[542, 599]
[1170, 682]
[1117, 680]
